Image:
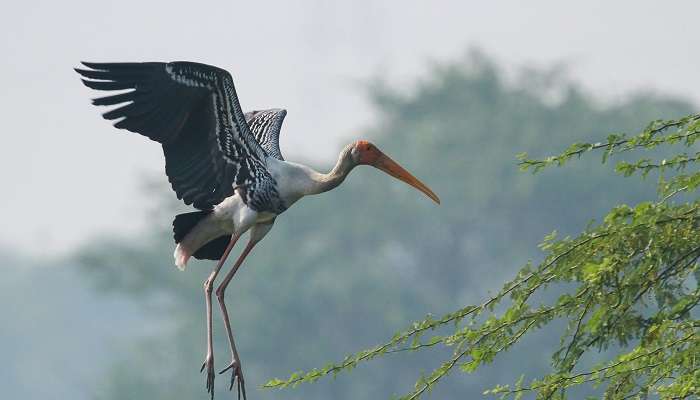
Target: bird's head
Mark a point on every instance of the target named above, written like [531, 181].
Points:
[365, 153]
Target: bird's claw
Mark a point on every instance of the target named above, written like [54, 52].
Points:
[236, 372]
[209, 365]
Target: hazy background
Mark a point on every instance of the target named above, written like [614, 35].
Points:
[91, 305]
[67, 175]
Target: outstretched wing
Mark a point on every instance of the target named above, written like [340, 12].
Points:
[266, 126]
[193, 111]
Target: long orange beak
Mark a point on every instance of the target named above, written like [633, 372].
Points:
[386, 164]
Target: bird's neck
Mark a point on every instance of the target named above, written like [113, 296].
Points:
[336, 176]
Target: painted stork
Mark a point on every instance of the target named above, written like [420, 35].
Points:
[224, 162]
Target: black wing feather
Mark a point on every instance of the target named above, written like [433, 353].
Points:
[193, 111]
[266, 126]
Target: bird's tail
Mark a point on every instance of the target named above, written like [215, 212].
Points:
[182, 225]
[203, 241]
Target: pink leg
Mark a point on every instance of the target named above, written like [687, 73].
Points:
[208, 286]
[256, 234]
[235, 364]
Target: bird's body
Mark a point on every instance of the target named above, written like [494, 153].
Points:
[224, 162]
[293, 181]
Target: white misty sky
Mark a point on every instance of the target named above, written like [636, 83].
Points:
[67, 174]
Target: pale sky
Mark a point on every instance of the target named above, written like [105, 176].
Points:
[68, 175]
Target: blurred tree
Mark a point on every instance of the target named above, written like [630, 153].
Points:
[328, 280]
[627, 288]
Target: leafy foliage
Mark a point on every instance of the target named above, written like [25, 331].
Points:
[630, 283]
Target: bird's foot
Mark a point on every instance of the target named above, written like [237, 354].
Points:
[209, 365]
[236, 372]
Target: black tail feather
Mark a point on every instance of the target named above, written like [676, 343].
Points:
[213, 250]
[184, 223]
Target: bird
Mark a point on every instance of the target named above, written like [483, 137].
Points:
[224, 162]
